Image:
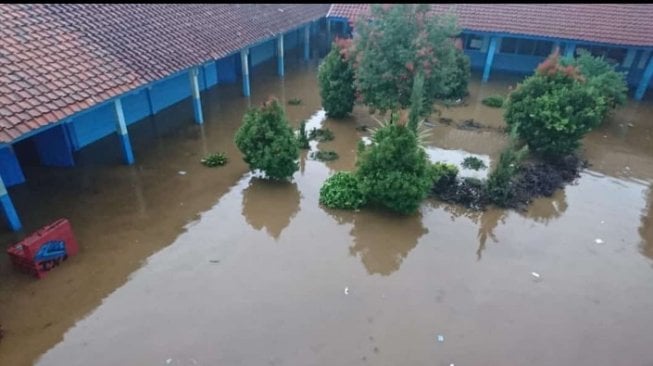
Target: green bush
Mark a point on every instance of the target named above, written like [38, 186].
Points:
[403, 40]
[553, 109]
[302, 137]
[321, 134]
[326, 155]
[474, 163]
[600, 74]
[443, 175]
[458, 78]
[336, 81]
[499, 185]
[342, 190]
[394, 171]
[268, 142]
[494, 101]
[214, 160]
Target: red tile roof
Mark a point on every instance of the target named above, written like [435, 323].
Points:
[56, 60]
[622, 24]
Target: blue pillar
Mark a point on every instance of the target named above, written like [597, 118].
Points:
[570, 49]
[345, 28]
[150, 104]
[121, 128]
[630, 57]
[8, 208]
[280, 66]
[492, 48]
[307, 40]
[556, 45]
[646, 79]
[195, 89]
[328, 26]
[245, 66]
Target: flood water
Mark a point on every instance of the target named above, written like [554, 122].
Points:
[181, 264]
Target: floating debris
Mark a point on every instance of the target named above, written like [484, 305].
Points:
[214, 261]
[440, 338]
[598, 241]
[346, 290]
[535, 274]
[182, 172]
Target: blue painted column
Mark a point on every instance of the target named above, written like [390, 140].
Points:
[328, 26]
[245, 66]
[195, 89]
[121, 128]
[307, 40]
[570, 49]
[9, 209]
[492, 49]
[630, 57]
[150, 104]
[280, 66]
[646, 79]
[345, 28]
[556, 45]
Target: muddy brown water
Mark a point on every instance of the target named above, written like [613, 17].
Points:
[218, 267]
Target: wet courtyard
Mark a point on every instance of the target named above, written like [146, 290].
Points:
[181, 264]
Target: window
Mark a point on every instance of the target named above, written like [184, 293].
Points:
[612, 55]
[473, 42]
[508, 45]
[543, 48]
[526, 47]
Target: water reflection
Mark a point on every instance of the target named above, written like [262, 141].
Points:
[270, 204]
[381, 239]
[543, 209]
[488, 221]
[646, 229]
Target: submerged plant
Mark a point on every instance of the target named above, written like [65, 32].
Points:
[326, 155]
[321, 134]
[494, 101]
[267, 141]
[474, 163]
[214, 160]
[342, 190]
[302, 138]
[295, 101]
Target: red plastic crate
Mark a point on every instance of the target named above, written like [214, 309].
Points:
[22, 253]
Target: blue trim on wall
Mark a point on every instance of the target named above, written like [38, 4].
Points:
[10, 170]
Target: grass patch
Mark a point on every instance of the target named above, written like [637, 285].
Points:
[326, 155]
[214, 160]
[474, 163]
[321, 134]
[494, 101]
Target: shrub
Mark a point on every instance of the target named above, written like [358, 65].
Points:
[500, 182]
[553, 109]
[326, 155]
[443, 175]
[321, 134]
[268, 142]
[474, 163]
[402, 41]
[394, 171]
[302, 137]
[600, 74]
[494, 101]
[458, 78]
[336, 81]
[214, 160]
[342, 190]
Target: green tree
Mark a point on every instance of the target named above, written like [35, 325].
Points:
[268, 142]
[336, 80]
[601, 75]
[553, 109]
[342, 190]
[400, 41]
[394, 172]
